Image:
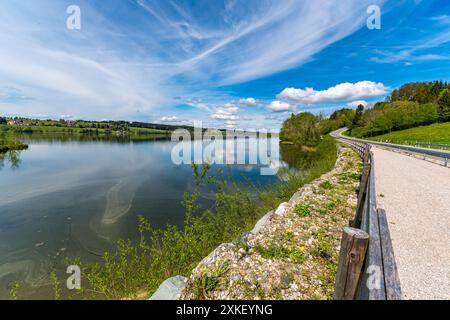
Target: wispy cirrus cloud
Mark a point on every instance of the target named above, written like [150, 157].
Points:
[421, 49]
[444, 18]
[129, 65]
[406, 56]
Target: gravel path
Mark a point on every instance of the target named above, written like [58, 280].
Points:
[416, 197]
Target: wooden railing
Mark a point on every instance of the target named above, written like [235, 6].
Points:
[367, 268]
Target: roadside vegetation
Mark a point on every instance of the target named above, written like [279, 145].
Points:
[412, 105]
[295, 254]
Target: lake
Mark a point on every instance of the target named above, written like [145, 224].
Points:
[67, 197]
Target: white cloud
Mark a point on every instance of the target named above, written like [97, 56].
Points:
[228, 111]
[223, 116]
[248, 102]
[169, 119]
[341, 92]
[230, 108]
[356, 103]
[73, 73]
[279, 106]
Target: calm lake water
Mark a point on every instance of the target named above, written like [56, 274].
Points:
[74, 198]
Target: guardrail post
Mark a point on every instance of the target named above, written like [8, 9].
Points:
[351, 259]
[362, 189]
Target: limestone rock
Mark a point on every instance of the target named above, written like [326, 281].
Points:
[170, 289]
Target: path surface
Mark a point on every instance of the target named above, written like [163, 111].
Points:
[416, 197]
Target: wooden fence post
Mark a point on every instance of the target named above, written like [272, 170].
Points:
[351, 259]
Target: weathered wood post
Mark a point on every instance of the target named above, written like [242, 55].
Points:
[391, 279]
[350, 266]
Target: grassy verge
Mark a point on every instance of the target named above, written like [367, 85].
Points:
[295, 255]
[438, 133]
[139, 267]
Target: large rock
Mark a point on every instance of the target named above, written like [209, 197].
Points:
[170, 289]
[262, 222]
[282, 209]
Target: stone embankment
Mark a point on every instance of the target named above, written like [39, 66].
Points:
[291, 253]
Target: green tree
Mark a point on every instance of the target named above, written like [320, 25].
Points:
[2, 120]
[358, 115]
[444, 105]
[301, 129]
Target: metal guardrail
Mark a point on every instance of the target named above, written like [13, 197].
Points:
[442, 156]
[367, 268]
[436, 145]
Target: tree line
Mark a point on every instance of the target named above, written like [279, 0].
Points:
[411, 105]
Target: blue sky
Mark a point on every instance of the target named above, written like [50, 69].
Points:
[245, 64]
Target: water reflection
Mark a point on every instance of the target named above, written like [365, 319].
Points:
[71, 197]
[298, 157]
[10, 157]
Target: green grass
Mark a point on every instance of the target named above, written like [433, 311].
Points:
[327, 185]
[145, 131]
[277, 252]
[436, 133]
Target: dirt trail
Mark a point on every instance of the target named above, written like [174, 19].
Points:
[416, 197]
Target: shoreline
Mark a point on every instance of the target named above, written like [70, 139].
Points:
[268, 262]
